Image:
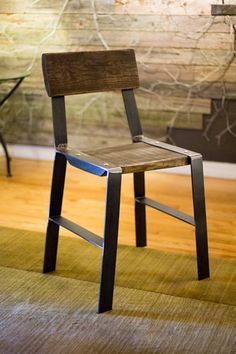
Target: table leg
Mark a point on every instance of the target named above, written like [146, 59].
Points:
[8, 159]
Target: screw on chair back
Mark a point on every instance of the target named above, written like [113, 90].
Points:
[86, 72]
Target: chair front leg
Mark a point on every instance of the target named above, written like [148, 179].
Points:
[57, 189]
[110, 242]
[140, 210]
[200, 217]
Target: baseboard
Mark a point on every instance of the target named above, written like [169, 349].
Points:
[211, 168]
[30, 152]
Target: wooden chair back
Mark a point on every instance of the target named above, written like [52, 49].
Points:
[86, 72]
[83, 72]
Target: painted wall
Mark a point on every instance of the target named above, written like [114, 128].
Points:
[185, 58]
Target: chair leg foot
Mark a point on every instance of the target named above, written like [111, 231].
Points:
[110, 242]
[140, 210]
[104, 308]
[200, 217]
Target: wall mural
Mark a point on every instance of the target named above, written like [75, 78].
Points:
[186, 60]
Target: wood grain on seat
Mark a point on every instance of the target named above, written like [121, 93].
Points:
[136, 157]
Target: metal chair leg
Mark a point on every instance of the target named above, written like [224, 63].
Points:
[200, 217]
[57, 190]
[140, 210]
[110, 242]
[8, 159]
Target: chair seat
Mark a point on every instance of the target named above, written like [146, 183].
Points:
[134, 157]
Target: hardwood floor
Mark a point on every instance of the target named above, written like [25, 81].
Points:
[25, 197]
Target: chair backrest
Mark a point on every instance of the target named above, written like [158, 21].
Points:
[84, 72]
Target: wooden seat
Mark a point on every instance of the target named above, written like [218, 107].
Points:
[84, 72]
[130, 158]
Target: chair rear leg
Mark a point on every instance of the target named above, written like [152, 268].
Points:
[110, 242]
[200, 217]
[57, 189]
[140, 210]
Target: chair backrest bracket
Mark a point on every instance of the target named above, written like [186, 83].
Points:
[132, 112]
[59, 121]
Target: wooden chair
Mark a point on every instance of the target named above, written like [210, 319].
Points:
[83, 72]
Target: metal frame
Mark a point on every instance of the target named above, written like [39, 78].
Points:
[139, 178]
[8, 159]
[195, 160]
[140, 209]
[113, 174]
[200, 217]
[57, 190]
[2, 141]
[108, 243]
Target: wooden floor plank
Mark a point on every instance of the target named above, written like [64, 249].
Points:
[25, 196]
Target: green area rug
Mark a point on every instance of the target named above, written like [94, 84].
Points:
[44, 314]
[137, 268]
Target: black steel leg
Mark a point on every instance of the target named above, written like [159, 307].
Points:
[200, 217]
[57, 189]
[110, 242]
[140, 211]
[8, 159]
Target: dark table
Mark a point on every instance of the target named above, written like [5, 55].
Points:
[16, 78]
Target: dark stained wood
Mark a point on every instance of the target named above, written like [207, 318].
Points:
[137, 157]
[83, 72]
[223, 10]
[211, 148]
